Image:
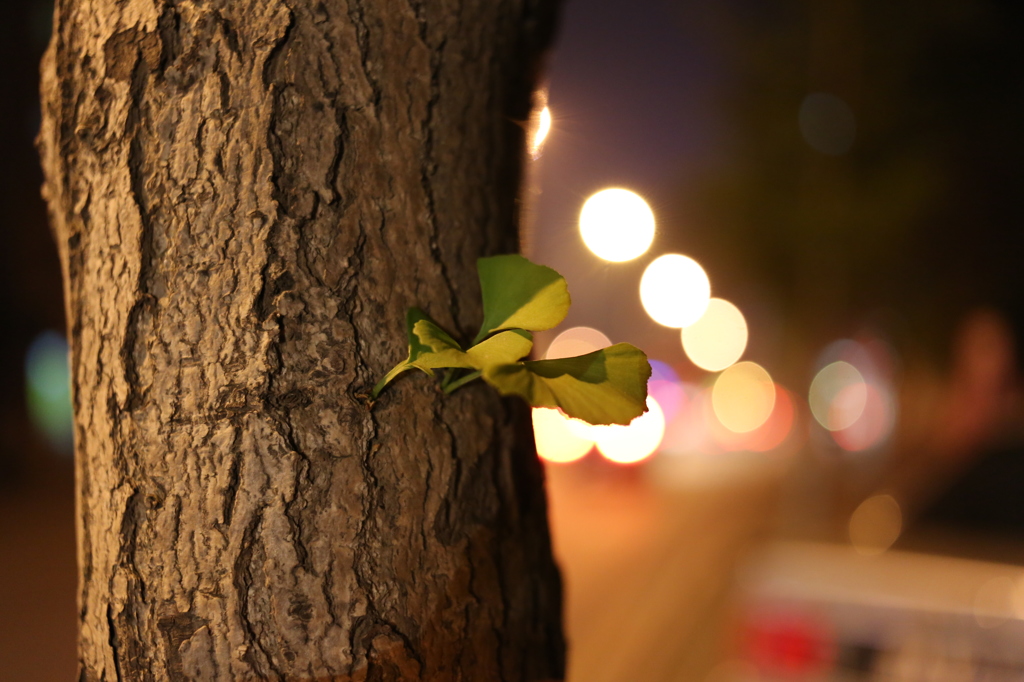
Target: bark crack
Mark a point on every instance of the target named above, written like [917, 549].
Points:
[112, 640]
[234, 478]
[357, 14]
[243, 580]
[428, 165]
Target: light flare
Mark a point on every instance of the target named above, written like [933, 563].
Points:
[540, 132]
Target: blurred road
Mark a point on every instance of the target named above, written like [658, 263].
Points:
[649, 571]
[37, 583]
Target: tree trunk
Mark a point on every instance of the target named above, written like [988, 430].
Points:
[247, 194]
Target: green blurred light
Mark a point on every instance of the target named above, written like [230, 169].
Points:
[48, 390]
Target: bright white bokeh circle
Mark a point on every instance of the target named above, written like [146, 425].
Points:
[717, 340]
[632, 443]
[675, 290]
[617, 225]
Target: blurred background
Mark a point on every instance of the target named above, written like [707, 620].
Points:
[810, 216]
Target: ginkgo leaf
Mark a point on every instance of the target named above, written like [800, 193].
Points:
[445, 352]
[441, 349]
[416, 349]
[604, 387]
[518, 294]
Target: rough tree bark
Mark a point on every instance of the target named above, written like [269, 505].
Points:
[246, 195]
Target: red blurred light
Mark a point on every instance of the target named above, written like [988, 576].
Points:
[791, 645]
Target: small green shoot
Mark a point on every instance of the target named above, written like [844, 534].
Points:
[608, 386]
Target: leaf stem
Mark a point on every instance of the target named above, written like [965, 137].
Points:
[398, 369]
[451, 387]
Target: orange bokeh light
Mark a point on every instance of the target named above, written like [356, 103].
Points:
[769, 436]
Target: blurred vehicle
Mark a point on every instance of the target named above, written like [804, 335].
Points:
[812, 611]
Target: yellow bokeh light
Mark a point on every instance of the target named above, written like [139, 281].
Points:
[617, 225]
[540, 132]
[876, 524]
[768, 436]
[556, 440]
[743, 397]
[838, 395]
[633, 443]
[576, 341]
[716, 340]
[675, 290]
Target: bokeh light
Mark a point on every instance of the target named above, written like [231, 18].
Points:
[874, 425]
[718, 339]
[540, 133]
[48, 389]
[632, 443]
[876, 524]
[662, 371]
[665, 387]
[687, 433]
[769, 435]
[827, 123]
[617, 225]
[838, 395]
[743, 397]
[789, 643]
[994, 602]
[576, 341]
[675, 290]
[853, 395]
[557, 441]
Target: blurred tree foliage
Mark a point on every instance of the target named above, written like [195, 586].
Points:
[923, 217]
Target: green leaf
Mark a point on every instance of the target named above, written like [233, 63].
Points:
[502, 348]
[604, 387]
[518, 294]
[416, 350]
[431, 347]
